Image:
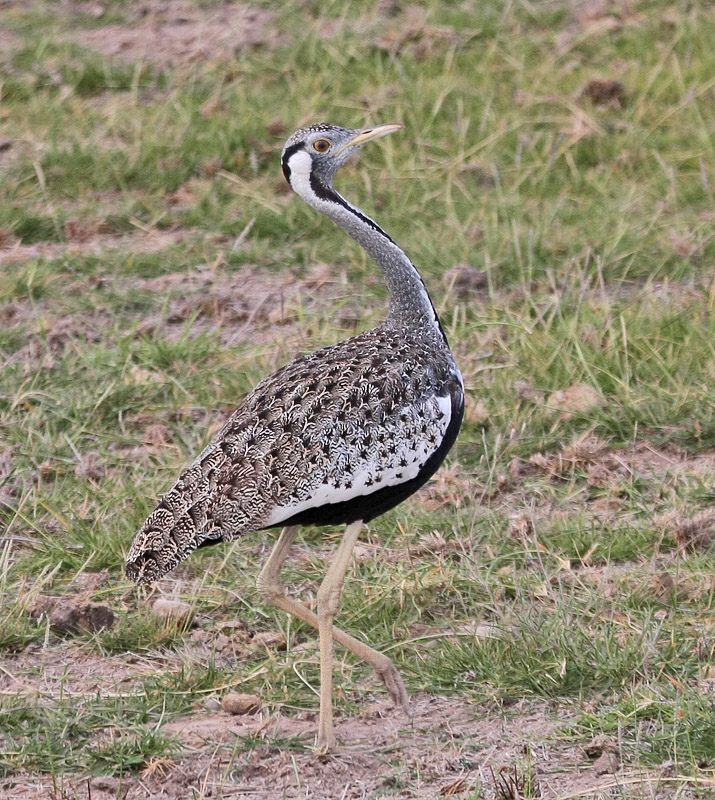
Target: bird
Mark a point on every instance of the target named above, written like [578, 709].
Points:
[335, 437]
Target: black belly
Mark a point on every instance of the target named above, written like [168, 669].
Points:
[367, 507]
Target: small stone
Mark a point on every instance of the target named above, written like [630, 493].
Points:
[212, 704]
[180, 613]
[234, 703]
[606, 764]
[73, 616]
[273, 640]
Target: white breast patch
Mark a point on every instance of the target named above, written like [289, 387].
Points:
[365, 480]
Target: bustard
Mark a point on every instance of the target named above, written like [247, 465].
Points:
[335, 437]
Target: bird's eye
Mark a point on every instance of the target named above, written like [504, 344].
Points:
[321, 145]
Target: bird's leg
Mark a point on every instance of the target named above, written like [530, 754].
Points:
[271, 588]
[328, 604]
[269, 582]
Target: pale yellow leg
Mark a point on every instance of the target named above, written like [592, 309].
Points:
[270, 587]
[328, 604]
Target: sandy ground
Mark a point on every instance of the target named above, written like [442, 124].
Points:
[448, 749]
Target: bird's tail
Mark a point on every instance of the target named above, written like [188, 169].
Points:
[184, 520]
[163, 542]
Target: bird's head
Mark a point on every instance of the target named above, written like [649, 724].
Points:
[313, 155]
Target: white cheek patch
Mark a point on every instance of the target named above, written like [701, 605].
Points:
[301, 168]
[301, 165]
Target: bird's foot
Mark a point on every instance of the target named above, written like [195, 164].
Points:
[395, 686]
[324, 745]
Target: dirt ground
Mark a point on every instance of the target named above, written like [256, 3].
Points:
[448, 749]
[174, 32]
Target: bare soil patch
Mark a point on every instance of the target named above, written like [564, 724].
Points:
[69, 669]
[448, 749]
[8, 42]
[176, 32]
[14, 252]
[245, 304]
[603, 468]
[250, 299]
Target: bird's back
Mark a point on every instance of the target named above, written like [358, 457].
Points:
[341, 434]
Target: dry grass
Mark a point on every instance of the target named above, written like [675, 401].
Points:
[553, 584]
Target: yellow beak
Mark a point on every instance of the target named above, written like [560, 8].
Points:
[370, 134]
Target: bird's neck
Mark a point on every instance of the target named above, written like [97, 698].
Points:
[410, 304]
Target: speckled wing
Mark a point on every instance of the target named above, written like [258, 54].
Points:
[342, 434]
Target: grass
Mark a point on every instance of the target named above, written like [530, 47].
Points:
[68, 735]
[593, 225]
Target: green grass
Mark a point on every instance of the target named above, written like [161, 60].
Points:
[68, 735]
[594, 227]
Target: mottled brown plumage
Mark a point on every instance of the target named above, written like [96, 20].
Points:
[363, 407]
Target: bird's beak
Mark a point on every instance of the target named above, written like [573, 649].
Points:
[370, 134]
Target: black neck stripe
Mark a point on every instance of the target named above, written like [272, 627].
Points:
[328, 193]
